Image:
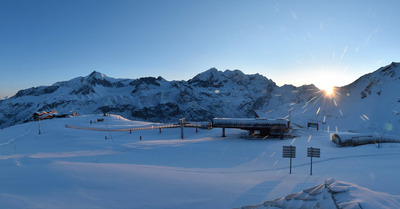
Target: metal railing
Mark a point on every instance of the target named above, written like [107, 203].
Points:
[135, 128]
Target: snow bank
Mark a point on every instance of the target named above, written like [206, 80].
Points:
[354, 139]
[333, 194]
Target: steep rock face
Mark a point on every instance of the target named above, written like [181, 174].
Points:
[209, 94]
[373, 83]
[37, 91]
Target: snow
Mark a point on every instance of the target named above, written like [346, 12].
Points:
[249, 121]
[70, 168]
[370, 104]
[333, 194]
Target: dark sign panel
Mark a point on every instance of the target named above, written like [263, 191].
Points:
[313, 152]
[289, 152]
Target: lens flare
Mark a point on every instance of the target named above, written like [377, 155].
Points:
[329, 91]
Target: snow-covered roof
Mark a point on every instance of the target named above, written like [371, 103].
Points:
[248, 122]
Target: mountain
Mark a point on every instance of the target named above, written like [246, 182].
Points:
[369, 104]
[209, 94]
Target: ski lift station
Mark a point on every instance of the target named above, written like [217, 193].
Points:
[263, 126]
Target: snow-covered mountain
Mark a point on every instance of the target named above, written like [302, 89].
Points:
[371, 103]
[209, 94]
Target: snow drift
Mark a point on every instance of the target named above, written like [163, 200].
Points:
[334, 194]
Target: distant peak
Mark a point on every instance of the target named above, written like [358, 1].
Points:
[96, 74]
[234, 71]
[93, 73]
[390, 70]
[393, 64]
[206, 75]
[212, 70]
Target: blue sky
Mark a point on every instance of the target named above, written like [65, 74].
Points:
[291, 42]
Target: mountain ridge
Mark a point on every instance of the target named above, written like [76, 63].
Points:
[369, 104]
[209, 94]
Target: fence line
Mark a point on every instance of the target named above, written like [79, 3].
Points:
[136, 128]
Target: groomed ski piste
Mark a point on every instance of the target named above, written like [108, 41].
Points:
[77, 168]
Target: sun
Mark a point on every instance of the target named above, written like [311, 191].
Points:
[327, 87]
[329, 91]
[327, 79]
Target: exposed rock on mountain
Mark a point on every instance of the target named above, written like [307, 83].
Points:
[209, 94]
[370, 103]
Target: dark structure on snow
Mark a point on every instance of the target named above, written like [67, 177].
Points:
[264, 127]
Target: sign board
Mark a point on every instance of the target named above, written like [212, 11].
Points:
[313, 125]
[313, 152]
[289, 152]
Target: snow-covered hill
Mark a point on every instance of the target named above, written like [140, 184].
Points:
[370, 104]
[76, 168]
[333, 194]
[209, 94]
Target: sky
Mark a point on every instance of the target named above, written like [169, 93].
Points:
[321, 42]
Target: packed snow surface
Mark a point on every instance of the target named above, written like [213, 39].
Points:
[71, 168]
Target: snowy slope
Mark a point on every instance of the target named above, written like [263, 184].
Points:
[333, 194]
[370, 104]
[209, 94]
[69, 168]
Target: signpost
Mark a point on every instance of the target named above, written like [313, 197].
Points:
[39, 125]
[289, 152]
[313, 152]
[182, 122]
